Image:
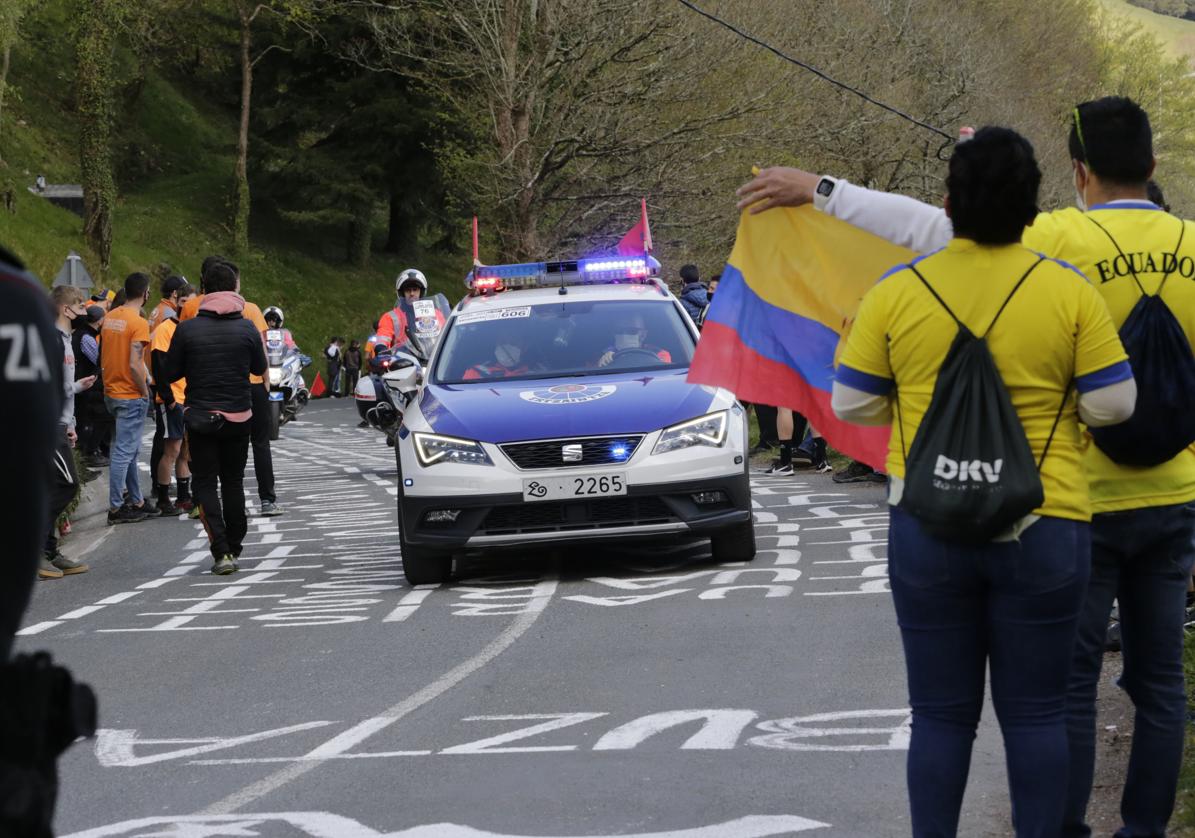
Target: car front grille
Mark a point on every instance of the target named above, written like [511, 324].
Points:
[568, 516]
[594, 451]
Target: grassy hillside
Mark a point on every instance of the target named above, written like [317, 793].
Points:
[1177, 34]
[176, 169]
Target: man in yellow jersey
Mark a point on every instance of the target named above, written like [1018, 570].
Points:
[126, 394]
[1144, 522]
[168, 413]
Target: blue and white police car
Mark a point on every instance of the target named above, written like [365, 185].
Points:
[556, 409]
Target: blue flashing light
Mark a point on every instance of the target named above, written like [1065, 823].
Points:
[597, 271]
[619, 451]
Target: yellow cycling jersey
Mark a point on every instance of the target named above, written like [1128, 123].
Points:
[1108, 244]
[1055, 330]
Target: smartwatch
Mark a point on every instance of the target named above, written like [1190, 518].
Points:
[825, 188]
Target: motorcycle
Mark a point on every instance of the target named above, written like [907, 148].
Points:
[376, 402]
[288, 390]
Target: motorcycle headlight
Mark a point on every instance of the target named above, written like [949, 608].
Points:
[275, 376]
[705, 430]
[433, 448]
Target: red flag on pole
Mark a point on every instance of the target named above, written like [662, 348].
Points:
[637, 241]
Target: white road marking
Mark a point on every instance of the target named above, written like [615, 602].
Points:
[38, 628]
[81, 612]
[323, 824]
[408, 605]
[497, 646]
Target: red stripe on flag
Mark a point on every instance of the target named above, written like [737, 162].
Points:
[725, 362]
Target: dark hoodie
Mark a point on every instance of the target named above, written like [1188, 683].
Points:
[216, 351]
[694, 297]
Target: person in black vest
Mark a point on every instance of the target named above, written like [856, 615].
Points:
[216, 352]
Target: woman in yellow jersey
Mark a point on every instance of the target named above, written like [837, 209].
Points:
[1013, 603]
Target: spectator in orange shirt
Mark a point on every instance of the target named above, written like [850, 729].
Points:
[126, 394]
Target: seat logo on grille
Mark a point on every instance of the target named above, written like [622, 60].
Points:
[572, 453]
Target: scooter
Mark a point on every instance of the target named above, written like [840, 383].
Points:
[288, 390]
[376, 403]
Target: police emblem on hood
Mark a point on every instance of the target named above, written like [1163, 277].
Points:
[568, 394]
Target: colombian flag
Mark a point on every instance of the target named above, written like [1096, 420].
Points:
[786, 299]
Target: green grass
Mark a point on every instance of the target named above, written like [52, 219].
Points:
[176, 171]
[1177, 34]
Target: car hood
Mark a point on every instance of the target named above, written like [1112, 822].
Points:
[501, 411]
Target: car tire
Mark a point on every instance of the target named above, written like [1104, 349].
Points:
[275, 420]
[421, 566]
[734, 544]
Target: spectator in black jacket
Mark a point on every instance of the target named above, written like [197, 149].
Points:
[216, 351]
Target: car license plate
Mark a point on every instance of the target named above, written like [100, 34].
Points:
[579, 487]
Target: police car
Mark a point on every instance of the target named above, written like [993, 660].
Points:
[554, 409]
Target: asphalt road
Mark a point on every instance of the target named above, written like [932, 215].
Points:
[640, 690]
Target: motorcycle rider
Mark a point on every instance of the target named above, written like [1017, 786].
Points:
[275, 319]
[411, 285]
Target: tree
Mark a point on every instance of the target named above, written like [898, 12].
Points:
[11, 12]
[575, 106]
[97, 23]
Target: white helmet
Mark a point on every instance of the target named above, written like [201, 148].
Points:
[273, 310]
[411, 275]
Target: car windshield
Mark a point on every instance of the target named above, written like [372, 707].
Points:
[551, 340]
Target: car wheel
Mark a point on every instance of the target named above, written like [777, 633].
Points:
[420, 565]
[734, 544]
[424, 567]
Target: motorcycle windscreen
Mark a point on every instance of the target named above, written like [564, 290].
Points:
[425, 322]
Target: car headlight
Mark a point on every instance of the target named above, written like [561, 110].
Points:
[433, 448]
[705, 430]
[275, 376]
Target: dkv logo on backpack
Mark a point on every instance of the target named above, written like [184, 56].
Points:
[962, 471]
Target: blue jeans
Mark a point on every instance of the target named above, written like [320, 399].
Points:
[122, 466]
[1012, 606]
[1143, 559]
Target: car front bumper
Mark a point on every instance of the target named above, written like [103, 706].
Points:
[647, 510]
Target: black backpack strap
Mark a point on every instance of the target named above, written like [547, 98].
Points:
[1066, 394]
[1003, 305]
[1174, 265]
[1013, 293]
[1116, 244]
[931, 290]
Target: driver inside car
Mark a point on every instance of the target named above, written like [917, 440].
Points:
[630, 336]
[509, 359]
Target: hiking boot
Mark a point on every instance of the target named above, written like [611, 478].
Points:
[780, 468]
[97, 461]
[269, 509]
[184, 504]
[126, 515]
[46, 570]
[166, 509]
[67, 566]
[1112, 640]
[148, 506]
[859, 473]
[224, 565]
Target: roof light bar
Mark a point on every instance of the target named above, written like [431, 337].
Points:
[486, 279]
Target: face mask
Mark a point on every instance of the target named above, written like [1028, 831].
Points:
[630, 341]
[1080, 197]
[508, 354]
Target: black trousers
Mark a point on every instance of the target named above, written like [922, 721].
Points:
[263, 461]
[350, 375]
[157, 448]
[221, 457]
[765, 414]
[64, 485]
